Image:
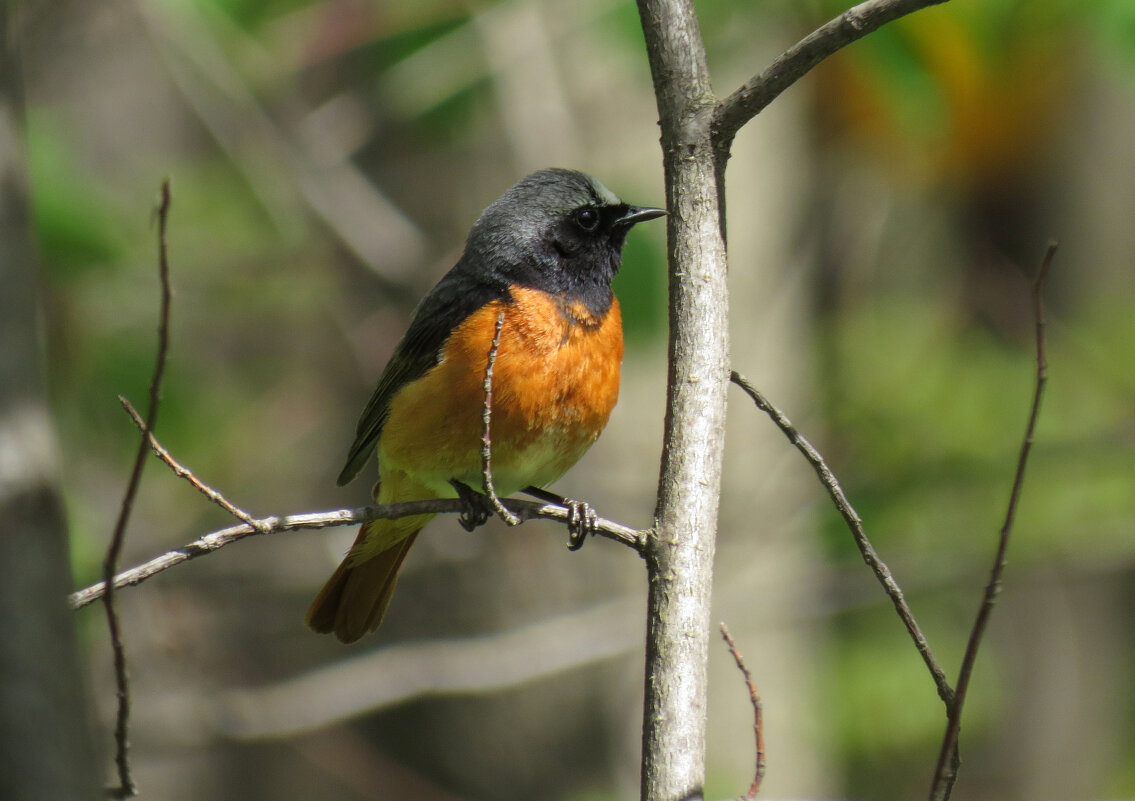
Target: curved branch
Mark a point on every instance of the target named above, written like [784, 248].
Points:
[747, 102]
[851, 517]
[758, 715]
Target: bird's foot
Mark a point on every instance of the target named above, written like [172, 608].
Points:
[582, 519]
[582, 523]
[475, 507]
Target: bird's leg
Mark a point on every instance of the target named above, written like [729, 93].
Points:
[582, 520]
[475, 506]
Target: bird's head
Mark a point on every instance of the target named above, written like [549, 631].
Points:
[557, 230]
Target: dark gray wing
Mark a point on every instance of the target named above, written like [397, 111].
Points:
[448, 304]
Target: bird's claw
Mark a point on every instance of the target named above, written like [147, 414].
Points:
[582, 522]
[475, 508]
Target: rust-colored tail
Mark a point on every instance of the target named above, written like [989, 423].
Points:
[354, 599]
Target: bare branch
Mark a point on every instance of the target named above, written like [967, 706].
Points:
[758, 716]
[734, 111]
[184, 472]
[945, 773]
[487, 428]
[126, 787]
[525, 510]
[855, 524]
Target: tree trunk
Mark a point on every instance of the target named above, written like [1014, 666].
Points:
[45, 746]
[680, 557]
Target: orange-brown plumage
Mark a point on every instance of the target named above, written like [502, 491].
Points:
[555, 382]
[544, 255]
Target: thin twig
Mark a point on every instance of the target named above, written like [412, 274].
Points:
[181, 471]
[486, 431]
[126, 786]
[945, 773]
[635, 539]
[758, 716]
[855, 524]
[760, 90]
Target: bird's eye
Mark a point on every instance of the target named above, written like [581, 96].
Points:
[587, 218]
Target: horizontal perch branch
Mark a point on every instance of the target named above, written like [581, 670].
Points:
[521, 510]
[525, 510]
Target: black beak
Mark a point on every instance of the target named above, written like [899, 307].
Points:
[637, 214]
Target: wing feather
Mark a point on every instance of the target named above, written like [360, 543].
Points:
[448, 304]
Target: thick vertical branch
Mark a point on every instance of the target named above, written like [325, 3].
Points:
[680, 557]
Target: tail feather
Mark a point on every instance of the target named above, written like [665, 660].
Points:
[355, 598]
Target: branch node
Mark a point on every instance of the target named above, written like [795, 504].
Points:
[181, 471]
[854, 20]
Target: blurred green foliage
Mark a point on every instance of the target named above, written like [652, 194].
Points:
[278, 327]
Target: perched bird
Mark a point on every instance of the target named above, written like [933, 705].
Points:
[544, 253]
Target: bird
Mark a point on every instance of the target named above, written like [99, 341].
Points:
[543, 254]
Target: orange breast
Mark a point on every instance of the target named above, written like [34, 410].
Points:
[555, 381]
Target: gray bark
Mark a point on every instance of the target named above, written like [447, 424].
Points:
[680, 557]
[46, 750]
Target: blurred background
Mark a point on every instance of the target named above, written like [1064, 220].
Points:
[886, 215]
